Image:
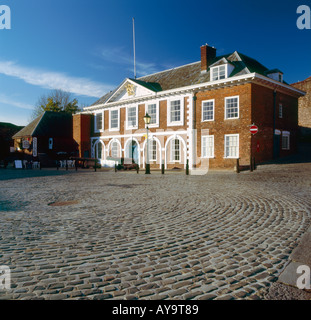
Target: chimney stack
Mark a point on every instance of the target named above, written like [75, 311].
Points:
[207, 55]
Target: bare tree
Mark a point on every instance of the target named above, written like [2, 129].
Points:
[57, 100]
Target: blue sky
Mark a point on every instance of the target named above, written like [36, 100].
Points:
[86, 46]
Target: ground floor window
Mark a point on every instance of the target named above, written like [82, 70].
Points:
[285, 140]
[98, 150]
[175, 150]
[207, 146]
[152, 150]
[231, 146]
[114, 149]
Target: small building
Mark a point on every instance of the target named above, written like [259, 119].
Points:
[45, 137]
[201, 114]
[7, 130]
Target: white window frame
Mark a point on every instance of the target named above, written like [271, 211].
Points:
[156, 103]
[117, 128]
[207, 146]
[153, 146]
[236, 156]
[280, 110]
[181, 121]
[128, 126]
[217, 69]
[112, 146]
[286, 134]
[226, 107]
[173, 150]
[208, 101]
[99, 146]
[95, 122]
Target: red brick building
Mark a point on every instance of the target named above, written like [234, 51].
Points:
[200, 113]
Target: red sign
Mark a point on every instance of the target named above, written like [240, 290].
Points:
[253, 129]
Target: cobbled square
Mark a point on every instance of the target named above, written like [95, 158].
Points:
[107, 235]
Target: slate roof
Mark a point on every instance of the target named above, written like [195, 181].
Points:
[191, 74]
[52, 124]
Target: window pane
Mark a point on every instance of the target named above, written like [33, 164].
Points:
[208, 110]
[99, 121]
[175, 146]
[114, 149]
[152, 150]
[208, 146]
[219, 72]
[175, 110]
[285, 142]
[131, 117]
[152, 111]
[232, 108]
[99, 150]
[280, 111]
[114, 121]
[231, 146]
[222, 72]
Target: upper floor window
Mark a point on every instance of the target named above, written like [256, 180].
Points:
[280, 111]
[132, 117]
[152, 110]
[98, 122]
[175, 112]
[114, 119]
[208, 110]
[219, 72]
[232, 107]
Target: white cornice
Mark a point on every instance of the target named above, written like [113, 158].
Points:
[236, 80]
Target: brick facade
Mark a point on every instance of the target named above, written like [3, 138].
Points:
[82, 133]
[231, 105]
[304, 109]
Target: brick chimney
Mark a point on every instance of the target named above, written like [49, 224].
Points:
[207, 55]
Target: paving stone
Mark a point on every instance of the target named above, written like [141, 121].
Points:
[182, 243]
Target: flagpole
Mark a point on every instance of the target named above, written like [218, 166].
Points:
[134, 49]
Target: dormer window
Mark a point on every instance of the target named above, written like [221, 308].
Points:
[222, 71]
[275, 74]
[219, 72]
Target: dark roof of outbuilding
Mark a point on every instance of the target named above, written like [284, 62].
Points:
[52, 124]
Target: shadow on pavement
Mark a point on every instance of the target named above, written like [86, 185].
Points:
[11, 173]
[303, 156]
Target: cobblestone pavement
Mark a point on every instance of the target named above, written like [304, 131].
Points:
[106, 235]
